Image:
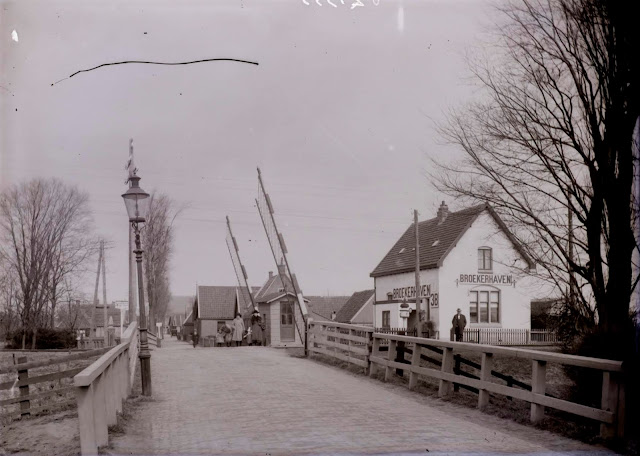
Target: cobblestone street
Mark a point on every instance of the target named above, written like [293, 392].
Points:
[255, 400]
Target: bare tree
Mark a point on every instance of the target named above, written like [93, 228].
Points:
[158, 248]
[552, 147]
[44, 236]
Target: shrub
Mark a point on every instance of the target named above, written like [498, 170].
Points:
[46, 338]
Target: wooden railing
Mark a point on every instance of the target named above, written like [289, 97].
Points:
[350, 343]
[506, 336]
[374, 351]
[153, 340]
[101, 389]
[22, 383]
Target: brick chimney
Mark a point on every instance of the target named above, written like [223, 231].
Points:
[271, 274]
[282, 269]
[443, 212]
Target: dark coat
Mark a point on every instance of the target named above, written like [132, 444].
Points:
[256, 331]
[459, 323]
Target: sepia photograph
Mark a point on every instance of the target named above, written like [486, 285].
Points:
[319, 227]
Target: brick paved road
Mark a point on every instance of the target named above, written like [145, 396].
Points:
[256, 400]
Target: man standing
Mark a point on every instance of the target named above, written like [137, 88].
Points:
[459, 322]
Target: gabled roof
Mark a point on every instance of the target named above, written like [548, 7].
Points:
[321, 307]
[401, 257]
[273, 289]
[353, 305]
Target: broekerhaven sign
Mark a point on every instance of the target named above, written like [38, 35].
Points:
[486, 278]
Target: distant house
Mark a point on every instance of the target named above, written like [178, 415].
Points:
[277, 303]
[321, 307]
[358, 309]
[187, 327]
[216, 305]
[83, 321]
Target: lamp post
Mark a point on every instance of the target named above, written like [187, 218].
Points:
[137, 202]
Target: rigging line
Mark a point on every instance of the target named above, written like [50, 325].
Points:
[157, 63]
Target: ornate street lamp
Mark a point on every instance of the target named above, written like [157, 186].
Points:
[137, 202]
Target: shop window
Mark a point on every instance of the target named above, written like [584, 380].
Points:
[484, 307]
[485, 259]
[386, 319]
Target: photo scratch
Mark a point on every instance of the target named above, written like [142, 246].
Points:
[155, 63]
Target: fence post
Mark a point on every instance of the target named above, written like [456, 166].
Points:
[351, 333]
[538, 379]
[367, 357]
[375, 351]
[485, 376]
[390, 355]
[610, 394]
[415, 362]
[400, 353]
[310, 340]
[456, 370]
[447, 367]
[84, 398]
[24, 389]
[100, 411]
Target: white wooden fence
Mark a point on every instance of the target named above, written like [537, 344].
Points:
[101, 389]
[361, 346]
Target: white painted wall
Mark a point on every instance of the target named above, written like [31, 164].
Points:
[402, 285]
[365, 314]
[274, 316]
[515, 301]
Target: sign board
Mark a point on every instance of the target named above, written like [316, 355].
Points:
[122, 305]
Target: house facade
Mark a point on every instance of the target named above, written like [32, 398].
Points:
[468, 260]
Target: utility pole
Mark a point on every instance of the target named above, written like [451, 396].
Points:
[104, 294]
[132, 267]
[418, 300]
[95, 295]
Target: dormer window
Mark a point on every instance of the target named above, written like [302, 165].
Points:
[485, 259]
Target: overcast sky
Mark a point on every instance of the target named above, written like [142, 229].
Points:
[339, 115]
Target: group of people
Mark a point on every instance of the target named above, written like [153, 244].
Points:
[234, 332]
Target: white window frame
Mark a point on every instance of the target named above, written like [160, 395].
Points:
[484, 259]
[475, 299]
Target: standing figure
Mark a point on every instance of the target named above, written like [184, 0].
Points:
[226, 329]
[237, 325]
[220, 337]
[195, 337]
[459, 322]
[257, 329]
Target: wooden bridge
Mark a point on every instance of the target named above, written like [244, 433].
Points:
[252, 400]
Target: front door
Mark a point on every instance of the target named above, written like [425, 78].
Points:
[286, 321]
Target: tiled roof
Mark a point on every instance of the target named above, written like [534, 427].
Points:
[401, 257]
[216, 302]
[321, 307]
[219, 302]
[353, 305]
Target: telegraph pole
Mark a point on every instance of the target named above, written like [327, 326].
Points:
[95, 296]
[418, 300]
[104, 295]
